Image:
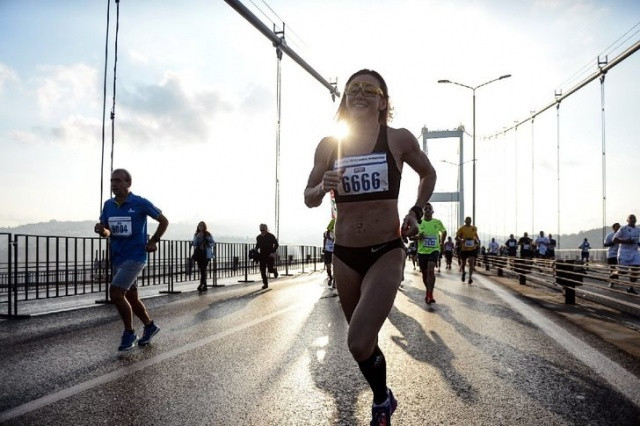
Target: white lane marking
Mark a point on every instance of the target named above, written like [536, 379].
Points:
[101, 380]
[617, 376]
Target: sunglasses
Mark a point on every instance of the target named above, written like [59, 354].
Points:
[369, 90]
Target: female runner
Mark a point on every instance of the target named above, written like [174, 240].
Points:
[364, 170]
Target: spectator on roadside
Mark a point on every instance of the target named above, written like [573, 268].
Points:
[612, 254]
[541, 244]
[628, 238]
[363, 170]
[328, 240]
[266, 246]
[551, 248]
[584, 251]
[203, 251]
[124, 221]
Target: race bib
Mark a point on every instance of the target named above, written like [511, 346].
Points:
[526, 246]
[469, 243]
[363, 174]
[120, 226]
[430, 241]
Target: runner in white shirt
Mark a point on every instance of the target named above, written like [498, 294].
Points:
[628, 255]
[541, 244]
[612, 253]
[494, 247]
[448, 248]
[584, 247]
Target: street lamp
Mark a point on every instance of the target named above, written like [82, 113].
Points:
[473, 89]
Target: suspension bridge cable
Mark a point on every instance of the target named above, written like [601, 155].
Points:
[607, 51]
[596, 74]
[279, 27]
[616, 44]
[289, 28]
[271, 35]
[265, 15]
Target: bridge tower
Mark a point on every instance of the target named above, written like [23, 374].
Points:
[449, 197]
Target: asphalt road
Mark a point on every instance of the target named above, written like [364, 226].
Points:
[239, 355]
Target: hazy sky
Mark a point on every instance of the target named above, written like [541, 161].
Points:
[196, 106]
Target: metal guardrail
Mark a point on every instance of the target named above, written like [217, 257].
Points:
[42, 267]
[595, 280]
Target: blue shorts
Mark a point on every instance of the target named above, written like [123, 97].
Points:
[126, 274]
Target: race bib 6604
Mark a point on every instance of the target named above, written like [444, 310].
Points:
[120, 226]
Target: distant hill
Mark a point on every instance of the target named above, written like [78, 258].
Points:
[176, 231]
[566, 241]
[54, 228]
[572, 241]
[184, 231]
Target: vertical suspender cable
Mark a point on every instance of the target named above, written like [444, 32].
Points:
[104, 105]
[558, 171]
[115, 65]
[533, 176]
[516, 174]
[604, 160]
[504, 209]
[279, 116]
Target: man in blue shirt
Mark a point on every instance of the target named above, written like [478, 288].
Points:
[124, 222]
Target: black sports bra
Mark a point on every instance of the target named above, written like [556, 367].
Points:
[373, 176]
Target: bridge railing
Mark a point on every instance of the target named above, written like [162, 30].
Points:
[596, 281]
[42, 267]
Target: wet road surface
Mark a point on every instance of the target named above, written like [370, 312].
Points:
[239, 355]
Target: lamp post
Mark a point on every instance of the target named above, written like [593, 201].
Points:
[473, 89]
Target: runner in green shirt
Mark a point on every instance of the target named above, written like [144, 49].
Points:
[430, 238]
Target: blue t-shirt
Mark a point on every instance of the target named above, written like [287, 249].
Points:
[128, 225]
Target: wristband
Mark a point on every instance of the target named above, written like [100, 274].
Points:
[417, 211]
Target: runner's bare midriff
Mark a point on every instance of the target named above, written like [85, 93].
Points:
[366, 223]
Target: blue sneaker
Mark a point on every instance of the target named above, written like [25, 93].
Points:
[381, 414]
[128, 342]
[148, 332]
